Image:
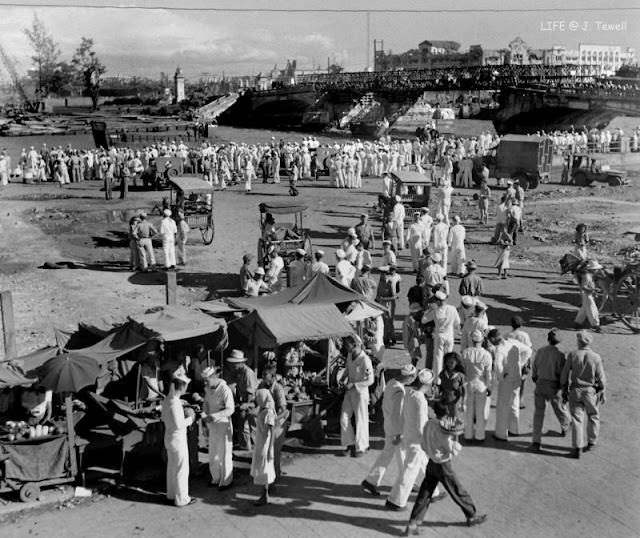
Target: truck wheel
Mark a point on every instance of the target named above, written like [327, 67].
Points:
[580, 179]
[614, 181]
[29, 492]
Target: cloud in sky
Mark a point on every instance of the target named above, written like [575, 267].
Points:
[145, 42]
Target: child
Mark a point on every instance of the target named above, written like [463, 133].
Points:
[262, 463]
[452, 381]
[502, 263]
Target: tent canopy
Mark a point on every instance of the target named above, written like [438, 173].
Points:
[272, 326]
[191, 184]
[320, 289]
[12, 375]
[171, 323]
[115, 345]
[282, 208]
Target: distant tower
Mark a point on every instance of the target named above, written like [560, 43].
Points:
[178, 81]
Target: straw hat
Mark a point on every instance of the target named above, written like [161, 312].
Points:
[409, 371]
[236, 356]
[466, 300]
[340, 254]
[593, 265]
[476, 336]
[440, 295]
[259, 271]
[352, 232]
[210, 371]
[167, 212]
[301, 252]
[584, 337]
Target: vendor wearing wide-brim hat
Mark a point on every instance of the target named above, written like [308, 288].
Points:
[243, 382]
[471, 283]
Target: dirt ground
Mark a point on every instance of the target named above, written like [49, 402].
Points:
[537, 495]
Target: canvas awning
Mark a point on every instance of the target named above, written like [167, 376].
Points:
[282, 208]
[320, 289]
[272, 326]
[36, 358]
[361, 310]
[12, 375]
[216, 308]
[114, 346]
[171, 323]
[192, 184]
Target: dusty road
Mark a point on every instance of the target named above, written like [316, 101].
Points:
[525, 494]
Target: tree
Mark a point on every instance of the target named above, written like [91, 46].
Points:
[46, 58]
[89, 69]
[334, 69]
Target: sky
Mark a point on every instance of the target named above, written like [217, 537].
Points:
[153, 37]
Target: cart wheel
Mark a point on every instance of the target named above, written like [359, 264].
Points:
[172, 172]
[29, 493]
[627, 302]
[580, 179]
[208, 232]
[614, 181]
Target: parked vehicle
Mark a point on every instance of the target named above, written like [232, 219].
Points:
[589, 167]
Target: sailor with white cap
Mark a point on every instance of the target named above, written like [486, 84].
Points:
[397, 224]
[415, 411]
[319, 266]
[477, 363]
[476, 321]
[357, 378]
[216, 412]
[298, 268]
[345, 271]
[392, 402]
[440, 236]
[447, 323]
[168, 231]
[175, 440]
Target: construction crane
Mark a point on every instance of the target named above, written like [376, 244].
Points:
[29, 105]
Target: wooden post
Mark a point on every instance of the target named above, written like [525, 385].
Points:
[8, 326]
[172, 287]
[71, 433]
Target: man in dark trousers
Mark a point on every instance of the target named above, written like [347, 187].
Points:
[441, 447]
[471, 284]
[583, 382]
[547, 365]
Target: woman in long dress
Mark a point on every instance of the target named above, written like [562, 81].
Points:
[262, 463]
[175, 442]
[502, 263]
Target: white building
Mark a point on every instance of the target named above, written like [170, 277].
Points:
[178, 85]
[605, 59]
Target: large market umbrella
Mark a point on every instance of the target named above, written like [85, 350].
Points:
[68, 373]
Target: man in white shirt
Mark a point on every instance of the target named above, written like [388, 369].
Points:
[168, 231]
[447, 323]
[397, 224]
[276, 264]
[319, 266]
[509, 357]
[357, 378]
[345, 271]
[427, 223]
[440, 236]
[216, 413]
[476, 362]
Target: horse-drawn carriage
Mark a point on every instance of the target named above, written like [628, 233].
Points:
[619, 286]
[286, 238]
[414, 190]
[194, 197]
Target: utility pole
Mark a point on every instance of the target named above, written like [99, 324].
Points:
[368, 37]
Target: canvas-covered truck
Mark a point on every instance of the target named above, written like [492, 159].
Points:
[526, 158]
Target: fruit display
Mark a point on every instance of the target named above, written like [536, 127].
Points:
[20, 430]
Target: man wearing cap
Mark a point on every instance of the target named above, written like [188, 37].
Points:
[245, 272]
[216, 412]
[298, 268]
[412, 334]
[357, 378]
[276, 264]
[319, 266]
[441, 447]
[434, 275]
[387, 295]
[466, 309]
[514, 220]
[398, 215]
[509, 358]
[414, 240]
[345, 271]
[392, 403]
[447, 323]
[477, 363]
[142, 233]
[365, 283]
[455, 240]
[440, 236]
[583, 382]
[427, 223]
[476, 321]
[546, 369]
[471, 283]
[243, 382]
[364, 233]
[588, 309]
[168, 232]
[257, 285]
[349, 246]
[415, 413]
[282, 411]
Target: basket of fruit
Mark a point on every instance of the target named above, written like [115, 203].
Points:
[452, 425]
